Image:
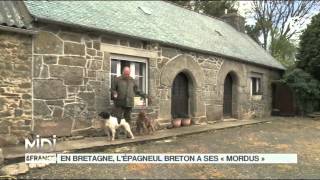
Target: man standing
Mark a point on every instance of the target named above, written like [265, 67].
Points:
[123, 93]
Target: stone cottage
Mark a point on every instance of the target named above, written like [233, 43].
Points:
[15, 72]
[189, 63]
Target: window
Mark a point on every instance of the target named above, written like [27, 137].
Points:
[138, 67]
[256, 86]
[139, 75]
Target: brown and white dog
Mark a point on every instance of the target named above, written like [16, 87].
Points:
[111, 125]
[145, 123]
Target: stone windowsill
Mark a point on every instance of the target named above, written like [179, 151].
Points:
[256, 97]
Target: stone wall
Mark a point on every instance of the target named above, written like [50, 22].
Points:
[210, 91]
[71, 77]
[71, 80]
[201, 70]
[68, 73]
[15, 87]
[257, 106]
[261, 106]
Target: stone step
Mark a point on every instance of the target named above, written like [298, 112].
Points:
[161, 121]
[14, 169]
[164, 125]
[229, 119]
[313, 116]
[212, 122]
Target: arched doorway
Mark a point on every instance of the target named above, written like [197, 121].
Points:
[195, 78]
[180, 96]
[228, 96]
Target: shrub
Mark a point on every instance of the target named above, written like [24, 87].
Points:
[305, 87]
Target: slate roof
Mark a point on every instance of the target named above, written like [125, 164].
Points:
[159, 21]
[14, 14]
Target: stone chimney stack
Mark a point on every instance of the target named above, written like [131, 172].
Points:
[234, 20]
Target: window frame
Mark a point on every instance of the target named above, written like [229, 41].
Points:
[259, 83]
[131, 59]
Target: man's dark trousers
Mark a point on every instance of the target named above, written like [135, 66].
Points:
[123, 112]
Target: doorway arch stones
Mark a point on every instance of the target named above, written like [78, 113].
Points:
[188, 65]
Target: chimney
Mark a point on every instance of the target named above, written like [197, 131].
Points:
[235, 20]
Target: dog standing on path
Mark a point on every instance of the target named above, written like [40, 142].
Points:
[111, 125]
[145, 123]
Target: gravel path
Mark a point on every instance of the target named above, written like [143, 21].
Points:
[284, 135]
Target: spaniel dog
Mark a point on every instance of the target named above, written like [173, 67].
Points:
[145, 123]
[111, 125]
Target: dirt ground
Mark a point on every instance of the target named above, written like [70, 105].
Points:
[282, 135]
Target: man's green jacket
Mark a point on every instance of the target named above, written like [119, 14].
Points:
[126, 89]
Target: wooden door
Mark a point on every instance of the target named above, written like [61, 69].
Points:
[227, 97]
[284, 100]
[180, 97]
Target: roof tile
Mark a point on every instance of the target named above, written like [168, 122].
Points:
[12, 14]
[167, 23]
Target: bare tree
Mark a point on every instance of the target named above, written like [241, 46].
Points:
[284, 16]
